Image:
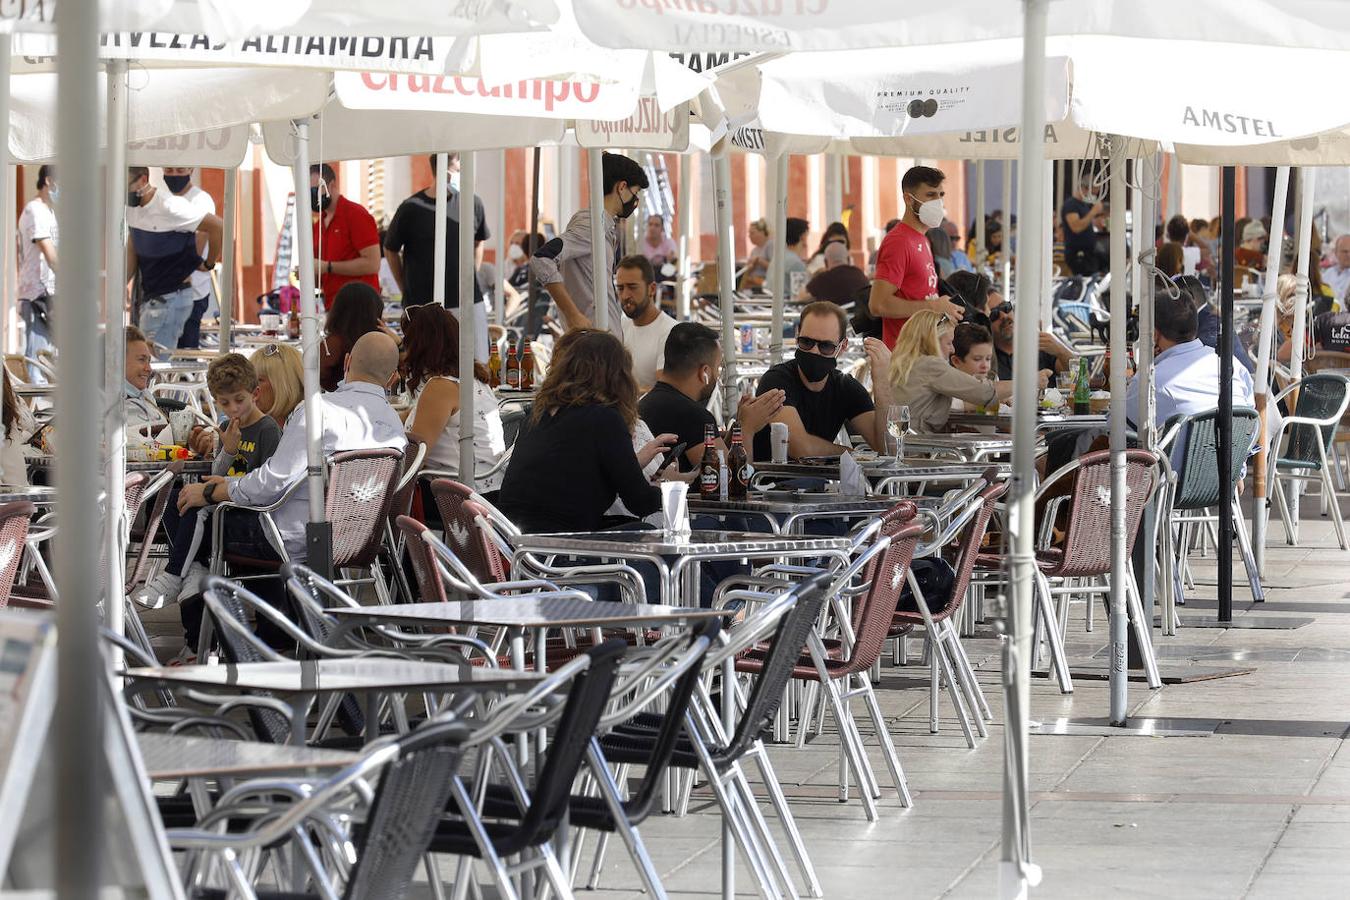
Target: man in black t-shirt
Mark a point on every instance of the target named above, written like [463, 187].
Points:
[678, 402]
[410, 242]
[818, 399]
[1052, 353]
[1080, 242]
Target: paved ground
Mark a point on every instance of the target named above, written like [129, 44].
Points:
[1260, 808]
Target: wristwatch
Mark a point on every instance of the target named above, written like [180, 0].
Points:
[210, 493]
[330, 267]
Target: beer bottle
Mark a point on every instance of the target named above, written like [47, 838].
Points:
[738, 467]
[710, 468]
[494, 368]
[527, 368]
[293, 325]
[1082, 393]
[512, 369]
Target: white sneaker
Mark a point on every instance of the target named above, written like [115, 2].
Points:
[185, 657]
[158, 591]
[192, 582]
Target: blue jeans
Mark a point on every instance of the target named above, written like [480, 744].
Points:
[38, 338]
[191, 338]
[163, 317]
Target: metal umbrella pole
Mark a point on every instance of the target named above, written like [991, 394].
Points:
[499, 228]
[1047, 304]
[534, 316]
[1017, 874]
[79, 773]
[685, 217]
[599, 245]
[1265, 342]
[1307, 181]
[1120, 309]
[6, 197]
[1007, 228]
[778, 262]
[318, 532]
[467, 331]
[114, 342]
[227, 258]
[980, 207]
[1225, 437]
[438, 184]
[726, 262]
[1146, 216]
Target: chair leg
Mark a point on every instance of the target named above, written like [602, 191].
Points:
[1330, 499]
[963, 663]
[1245, 546]
[785, 818]
[935, 675]
[887, 746]
[1047, 613]
[1143, 631]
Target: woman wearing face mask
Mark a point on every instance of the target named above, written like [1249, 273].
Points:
[924, 380]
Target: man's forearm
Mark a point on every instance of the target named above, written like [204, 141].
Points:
[896, 307]
[569, 310]
[396, 269]
[807, 444]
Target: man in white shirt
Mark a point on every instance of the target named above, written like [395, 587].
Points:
[178, 179]
[1337, 275]
[645, 324]
[37, 268]
[164, 250]
[357, 416]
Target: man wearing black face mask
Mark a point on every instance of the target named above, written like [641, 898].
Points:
[164, 249]
[563, 265]
[678, 403]
[178, 179]
[346, 238]
[819, 400]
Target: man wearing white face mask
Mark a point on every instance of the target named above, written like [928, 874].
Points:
[410, 249]
[906, 278]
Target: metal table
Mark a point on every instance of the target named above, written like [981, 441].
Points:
[34, 390]
[191, 467]
[172, 757]
[673, 554]
[786, 510]
[1045, 422]
[883, 473]
[42, 496]
[179, 367]
[971, 448]
[307, 679]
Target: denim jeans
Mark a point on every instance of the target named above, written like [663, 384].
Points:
[38, 338]
[191, 338]
[163, 317]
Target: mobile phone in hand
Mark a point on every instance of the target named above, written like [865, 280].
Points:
[671, 455]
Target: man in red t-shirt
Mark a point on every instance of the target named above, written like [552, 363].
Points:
[906, 280]
[346, 238]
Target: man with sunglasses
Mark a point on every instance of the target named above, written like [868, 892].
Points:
[1053, 355]
[818, 399]
[563, 265]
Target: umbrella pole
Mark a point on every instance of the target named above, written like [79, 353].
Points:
[467, 327]
[1007, 229]
[1225, 437]
[1047, 302]
[6, 194]
[499, 227]
[1017, 874]
[533, 315]
[599, 271]
[79, 779]
[685, 219]
[834, 188]
[1120, 308]
[778, 264]
[980, 208]
[1260, 488]
[440, 179]
[114, 342]
[318, 532]
[726, 263]
[1307, 180]
[227, 258]
[1146, 217]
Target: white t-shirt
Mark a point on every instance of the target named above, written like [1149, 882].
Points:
[202, 202]
[647, 344]
[37, 223]
[1190, 260]
[489, 440]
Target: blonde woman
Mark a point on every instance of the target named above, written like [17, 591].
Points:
[281, 380]
[924, 380]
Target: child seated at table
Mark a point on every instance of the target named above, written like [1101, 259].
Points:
[247, 440]
[972, 353]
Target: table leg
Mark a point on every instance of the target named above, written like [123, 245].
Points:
[300, 716]
[372, 716]
[728, 838]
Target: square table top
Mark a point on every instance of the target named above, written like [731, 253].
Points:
[338, 676]
[174, 756]
[666, 543]
[190, 466]
[794, 503]
[881, 467]
[531, 612]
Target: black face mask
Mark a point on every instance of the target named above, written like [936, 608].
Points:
[133, 197]
[814, 366]
[317, 202]
[628, 207]
[176, 183]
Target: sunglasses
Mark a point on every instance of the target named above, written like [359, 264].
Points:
[272, 350]
[826, 348]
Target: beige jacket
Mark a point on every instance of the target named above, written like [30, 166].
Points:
[929, 390]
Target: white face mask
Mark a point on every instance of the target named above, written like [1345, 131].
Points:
[931, 213]
[514, 253]
[454, 181]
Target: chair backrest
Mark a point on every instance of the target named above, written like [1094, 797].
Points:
[153, 518]
[1087, 544]
[413, 457]
[780, 659]
[586, 700]
[14, 519]
[133, 491]
[1321, 396]
[1198, 484]
[223, 598]
[885, 578]
[361, 486]
[972, 536]
[310, 595]
[410, 800]
[464, 534]
[430, 587]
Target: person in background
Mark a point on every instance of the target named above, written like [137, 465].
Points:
[941, 247]
[906, 278]
[356, 310]
[390, 289]
[657, 246]
[346, 238]
[1077, 216]
[678, 403]
[645, 324]
[563, 265]
[144, 418]
[960, 259]
[410, 249]
[1192, 252]
[431, 371]
[20, 426]
[818, 399]
[1337, 275]
[757, 262]
[794, 268]
[1252, 252]
[835, 233]
[872, 257]
[977, 293]
[993, 236]
[1052, 355]
[1171, 259]
[922, 378]
[488, 283]
[1207, 317]
[840, 281]
[163, 249]
[574, 455]
[37, 269]
[178, 179]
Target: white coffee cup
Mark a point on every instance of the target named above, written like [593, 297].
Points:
[180, 423]
[778, 442]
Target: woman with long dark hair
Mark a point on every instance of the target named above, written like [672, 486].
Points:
[357, 310]
[575, 454]
[431, 372]
[835, 233]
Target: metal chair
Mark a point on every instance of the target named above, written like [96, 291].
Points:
[1332, 361]
[14, 519]
[1193, 489]
[401, 505]
[1322, 401]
